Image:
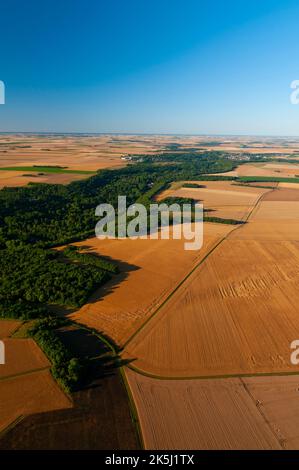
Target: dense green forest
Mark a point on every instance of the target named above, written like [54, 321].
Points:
[36, 218]
[35, 276]
[88, 259]
[48, 215]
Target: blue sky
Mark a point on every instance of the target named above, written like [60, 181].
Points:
[192, 66]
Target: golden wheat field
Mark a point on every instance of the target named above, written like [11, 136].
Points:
[214, 192]
[283, 194]
[277, 211]
[229, 212]
[73, 152]
[237, 313]
[22, 178]
[27, 394]
[149, 271]
[276, 170]
[222, 199]
[196, 323]
[272, 220]
[288, 186]
[7, 327]
[215, 414]
[21, 356]
[95, 152]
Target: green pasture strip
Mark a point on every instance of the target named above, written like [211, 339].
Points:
[266, 179]
[46, 169]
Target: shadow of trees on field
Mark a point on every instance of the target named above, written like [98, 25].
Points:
[96, 355]
[116, 279]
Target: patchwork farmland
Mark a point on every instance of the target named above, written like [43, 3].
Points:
[26, 384]
[216, 414]
[124, 303]
[202, 337]
[235, 316]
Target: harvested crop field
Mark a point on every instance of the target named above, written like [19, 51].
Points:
[278, 399]
[149, 271]
[276, 170]
[236, 314]
[277, 210]
[19, 178]
[268, 230]
[8, 327]
[282, 166]
[265, 169]
[216, 193]
[222, 199]
[229, 212]
[97, 416]
[288, 186]
[32, 393]
[22, 356]
[283, 194]
[75, 152]
[271, 220]
[99, 419]
[248, 413]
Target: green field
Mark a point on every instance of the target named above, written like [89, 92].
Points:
[46, 169]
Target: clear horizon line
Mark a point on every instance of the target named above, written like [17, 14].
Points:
[278, 136]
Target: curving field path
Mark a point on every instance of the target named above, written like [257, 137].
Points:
[207, 362]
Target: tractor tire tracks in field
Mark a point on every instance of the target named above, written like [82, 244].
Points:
[239, 377]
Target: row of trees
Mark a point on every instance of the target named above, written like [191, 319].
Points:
[66, 369]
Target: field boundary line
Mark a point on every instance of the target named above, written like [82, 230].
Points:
[28, 372]
[212, 377]
[254, 209]
[260, 411]
[11, 425]
[186, 277]
[133, 408]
